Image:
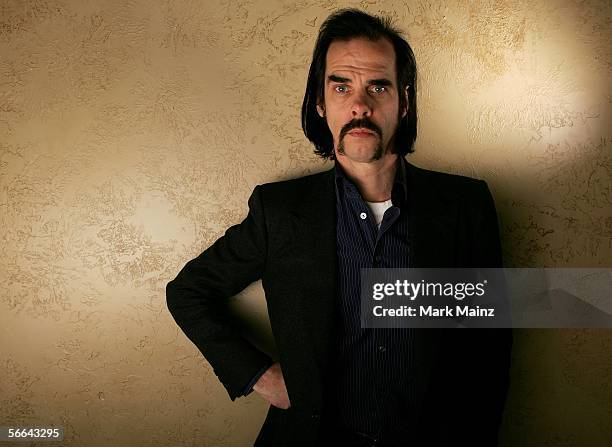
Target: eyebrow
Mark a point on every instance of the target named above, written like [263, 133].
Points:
[381, 81]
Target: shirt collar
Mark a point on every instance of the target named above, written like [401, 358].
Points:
[399, 195]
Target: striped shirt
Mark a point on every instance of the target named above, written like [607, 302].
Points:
[372, 393]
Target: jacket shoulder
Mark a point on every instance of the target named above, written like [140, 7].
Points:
[287, 192]
[451, 186]
[442, 178]
[298, 182]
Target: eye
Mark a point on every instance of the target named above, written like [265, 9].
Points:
[378, 89]
[341, 88]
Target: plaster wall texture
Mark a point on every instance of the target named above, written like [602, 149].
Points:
[132, 133]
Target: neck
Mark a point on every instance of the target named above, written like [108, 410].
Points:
[374, 179]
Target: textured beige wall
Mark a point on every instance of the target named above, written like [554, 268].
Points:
[132, 132]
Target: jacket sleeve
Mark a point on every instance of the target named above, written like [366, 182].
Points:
[197, 299]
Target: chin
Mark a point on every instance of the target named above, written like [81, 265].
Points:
[361, 150]
[363, 154]
[359, 156]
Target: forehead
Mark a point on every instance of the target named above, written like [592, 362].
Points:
[361, 55]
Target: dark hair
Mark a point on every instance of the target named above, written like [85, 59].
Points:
[346, 24]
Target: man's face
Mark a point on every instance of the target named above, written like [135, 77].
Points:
[361, 98]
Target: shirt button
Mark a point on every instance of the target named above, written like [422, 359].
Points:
[363, 216]
[381, 348]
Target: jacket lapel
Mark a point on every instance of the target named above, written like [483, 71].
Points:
[313, 223]
[432, 221]
[316, 220]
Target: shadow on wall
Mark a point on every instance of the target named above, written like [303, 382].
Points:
[561, 379]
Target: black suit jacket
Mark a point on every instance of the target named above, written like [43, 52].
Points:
[288, 240]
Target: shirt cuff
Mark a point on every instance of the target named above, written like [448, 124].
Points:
[249, 388]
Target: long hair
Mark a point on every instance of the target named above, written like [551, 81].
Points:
[347, 24]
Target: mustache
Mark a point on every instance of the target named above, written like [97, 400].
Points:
[363, 123]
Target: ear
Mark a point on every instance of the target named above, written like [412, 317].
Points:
[405, 110]
[321, 110]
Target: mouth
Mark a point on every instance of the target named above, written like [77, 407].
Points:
[362, 133]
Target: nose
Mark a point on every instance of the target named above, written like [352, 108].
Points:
[361, 106]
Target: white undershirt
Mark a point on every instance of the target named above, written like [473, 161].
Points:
[378, 210]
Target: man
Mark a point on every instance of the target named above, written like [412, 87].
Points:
[308, 238]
